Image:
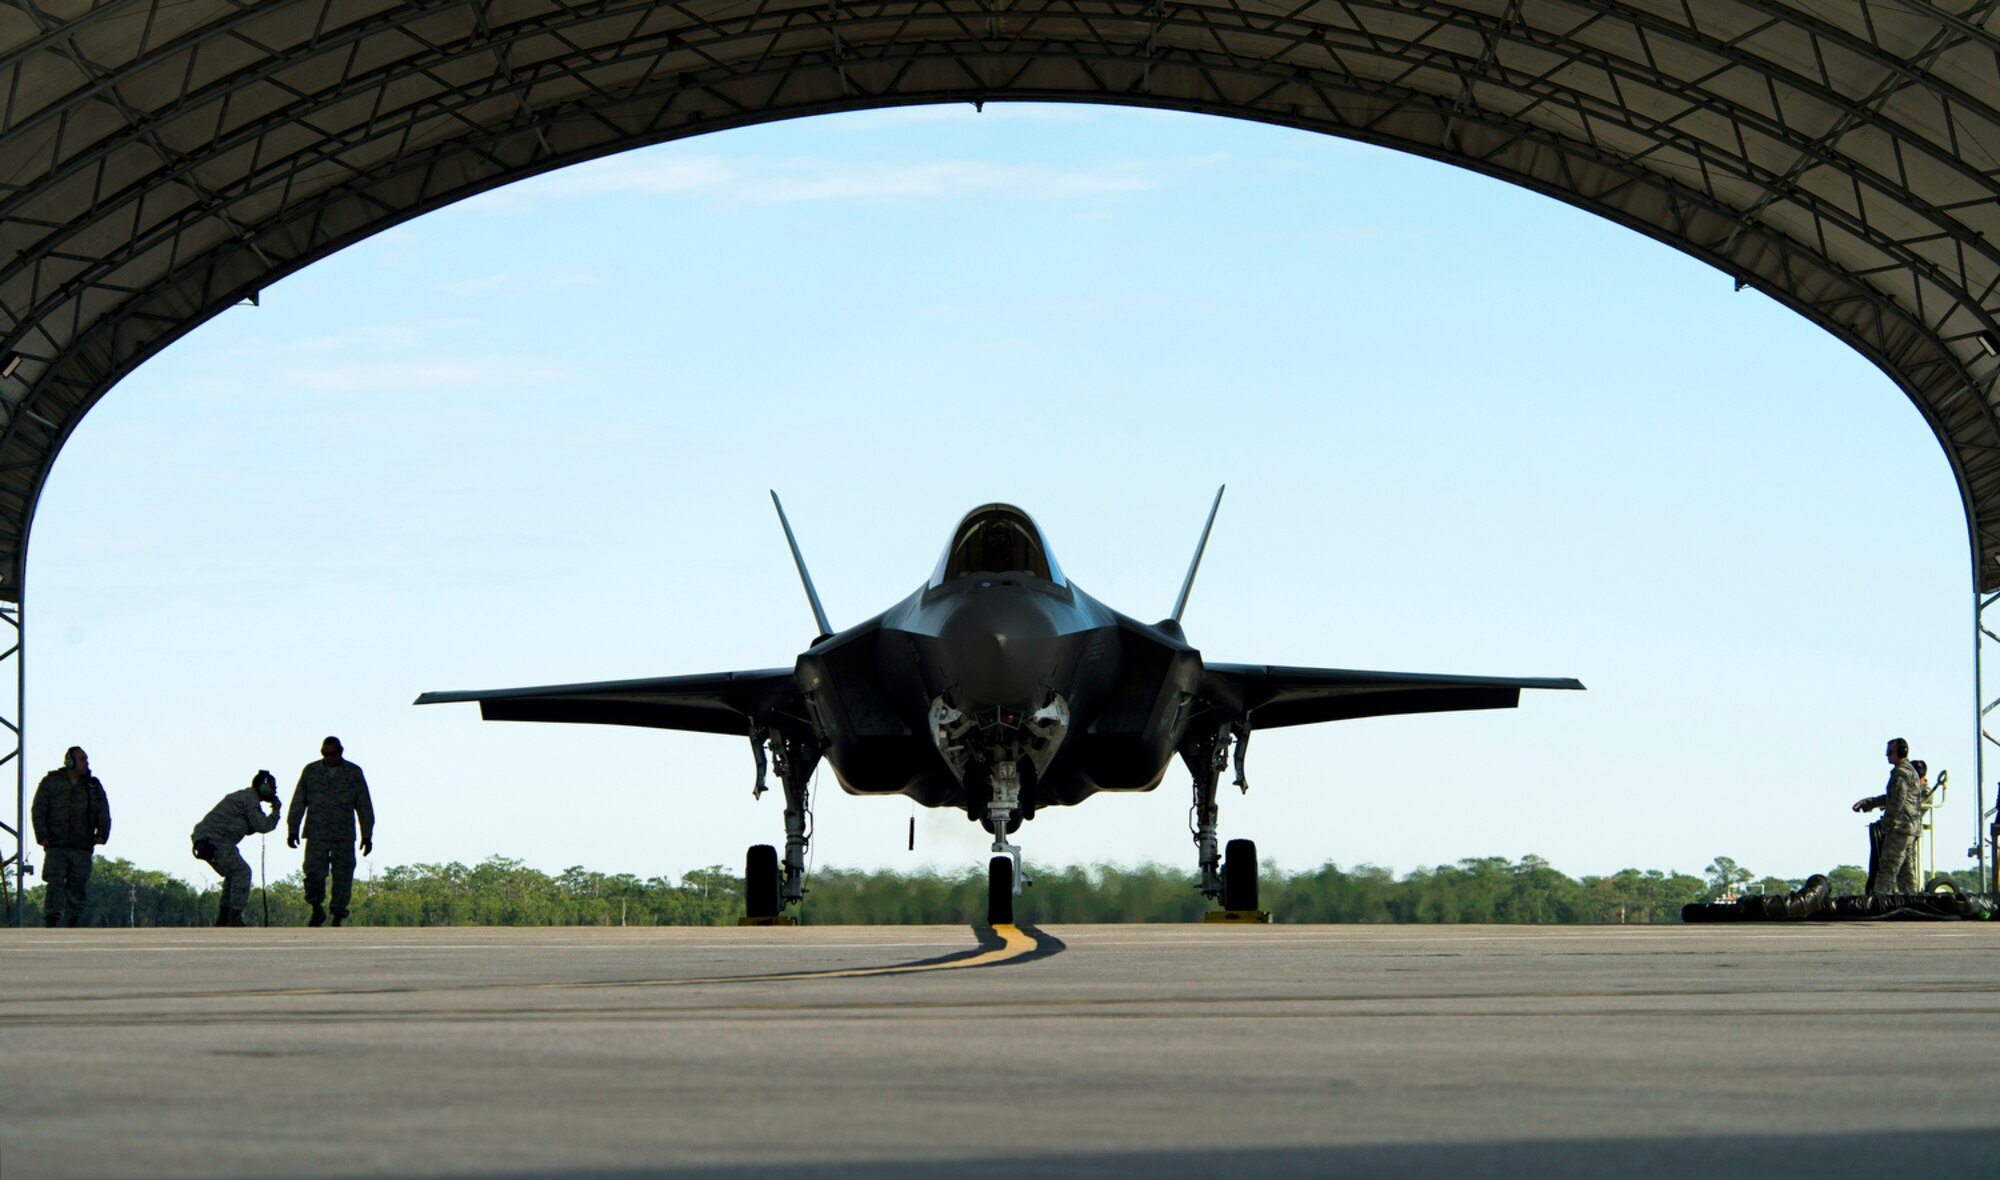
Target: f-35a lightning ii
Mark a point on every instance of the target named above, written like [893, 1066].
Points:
[999, 688]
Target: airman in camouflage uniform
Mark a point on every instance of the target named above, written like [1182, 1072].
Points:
[72, 816]
[331, 796]
[216, 836]
[1901, 805]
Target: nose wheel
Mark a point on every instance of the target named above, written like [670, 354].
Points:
[1000, 891]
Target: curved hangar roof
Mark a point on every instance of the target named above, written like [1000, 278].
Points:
[161, 161]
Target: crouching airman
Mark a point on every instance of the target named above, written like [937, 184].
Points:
[216, 836]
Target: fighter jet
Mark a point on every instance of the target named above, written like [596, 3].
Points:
[999, 688]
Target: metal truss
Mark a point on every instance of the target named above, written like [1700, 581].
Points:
[161, 162]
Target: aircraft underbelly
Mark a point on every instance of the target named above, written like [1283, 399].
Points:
[1124, 692]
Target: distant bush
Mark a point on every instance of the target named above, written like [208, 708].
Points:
[504, 892]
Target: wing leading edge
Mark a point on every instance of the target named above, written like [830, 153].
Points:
[1269, 697]
[721, 702]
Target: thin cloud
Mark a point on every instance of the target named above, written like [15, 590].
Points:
[388, 335]
[418, 373]
[502, 284]
[609, 436]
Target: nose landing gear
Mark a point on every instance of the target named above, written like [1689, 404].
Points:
[1004, 874]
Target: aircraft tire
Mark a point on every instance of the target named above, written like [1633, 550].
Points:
[760, 882]
[1000, 891]
[1942, 884]
[1239, 875]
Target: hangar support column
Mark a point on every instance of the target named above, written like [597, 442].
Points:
[15, 751]
[1982, 835]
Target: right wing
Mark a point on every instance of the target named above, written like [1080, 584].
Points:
[1270, 697]
[721, 702]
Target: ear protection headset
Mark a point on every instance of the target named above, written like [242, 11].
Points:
[73, 757]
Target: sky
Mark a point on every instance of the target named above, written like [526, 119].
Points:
[527, 439]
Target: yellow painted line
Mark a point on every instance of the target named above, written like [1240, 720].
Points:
[1013, 944]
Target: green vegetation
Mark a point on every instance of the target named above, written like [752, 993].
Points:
[503, 892]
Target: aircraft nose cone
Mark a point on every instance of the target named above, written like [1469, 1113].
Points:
[995, 646]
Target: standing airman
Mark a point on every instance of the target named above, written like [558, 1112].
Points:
[72, 817]
[330, 797]
[1901, 804]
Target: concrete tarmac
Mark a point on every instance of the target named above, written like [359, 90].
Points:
[1103, 1051]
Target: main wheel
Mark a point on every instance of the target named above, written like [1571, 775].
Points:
[1239, 875]
[760, 882]
[1942, 884]
[1000, 891]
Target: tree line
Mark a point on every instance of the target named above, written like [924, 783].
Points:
[504, 892]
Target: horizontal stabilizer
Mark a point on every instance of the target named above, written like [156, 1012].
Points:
[1270, 697]
[721, 702]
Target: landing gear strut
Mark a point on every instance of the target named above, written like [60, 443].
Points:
[1205, 756]
[767, 891]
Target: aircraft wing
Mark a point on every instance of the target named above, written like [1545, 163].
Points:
[722, 702]
[1270, 696]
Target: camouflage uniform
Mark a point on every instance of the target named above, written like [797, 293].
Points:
[328, 801]
[239, 814]
[1896, 867]
[70, 819]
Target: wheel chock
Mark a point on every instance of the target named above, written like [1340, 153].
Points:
[774, 920]
[1238, 917]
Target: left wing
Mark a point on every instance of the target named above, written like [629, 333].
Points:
[1269, 697]
[722, 702]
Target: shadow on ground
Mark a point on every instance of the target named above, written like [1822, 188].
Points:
[1933, 1155]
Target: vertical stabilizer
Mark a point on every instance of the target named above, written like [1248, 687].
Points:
[1180, 604]
[798, 559]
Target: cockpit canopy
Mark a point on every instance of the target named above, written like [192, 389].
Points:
[997, 538]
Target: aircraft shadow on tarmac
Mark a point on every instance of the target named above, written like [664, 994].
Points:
[1870, 1154]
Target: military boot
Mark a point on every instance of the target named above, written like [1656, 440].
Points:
[75, 920]
[235, 918]
[319, 916]
[339, 918]
[222, 914]
[52, 920]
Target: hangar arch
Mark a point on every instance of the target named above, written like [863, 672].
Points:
[161, 162]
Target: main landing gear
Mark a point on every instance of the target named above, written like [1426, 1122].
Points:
[1231, 881]
[769, 890]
